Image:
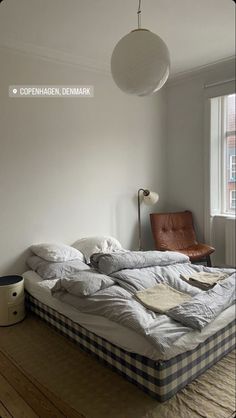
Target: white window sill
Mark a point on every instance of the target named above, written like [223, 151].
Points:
[223, 215]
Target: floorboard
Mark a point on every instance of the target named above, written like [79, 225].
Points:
[4, 413]
[13, 402]
[22, 397]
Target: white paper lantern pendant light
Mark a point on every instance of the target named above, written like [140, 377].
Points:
[140, 62]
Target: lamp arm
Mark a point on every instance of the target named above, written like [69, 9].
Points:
[146, 193]
[139, 14]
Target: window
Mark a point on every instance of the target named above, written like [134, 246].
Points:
[223, 155]
[232, 167]
[233, 199]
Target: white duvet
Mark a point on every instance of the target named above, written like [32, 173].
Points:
[136, 271]
[118, 334]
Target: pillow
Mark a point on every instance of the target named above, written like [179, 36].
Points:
[51, 270]
[56, 252]
[91, 245]
[85, 283]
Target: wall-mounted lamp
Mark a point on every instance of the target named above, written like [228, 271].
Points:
[150, 198]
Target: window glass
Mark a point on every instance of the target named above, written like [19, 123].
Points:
[233, 199]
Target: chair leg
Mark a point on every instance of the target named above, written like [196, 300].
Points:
[208, 260]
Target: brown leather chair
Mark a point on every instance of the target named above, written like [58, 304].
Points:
[175, 232]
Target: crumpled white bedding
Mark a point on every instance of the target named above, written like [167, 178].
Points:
[123, 337]
[119, 334]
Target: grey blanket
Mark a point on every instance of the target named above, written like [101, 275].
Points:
[196, 313]
[118, 302]
[206, 306]
[55, 270]
[83, 283]
[113, 262]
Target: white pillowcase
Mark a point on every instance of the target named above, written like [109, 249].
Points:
[56, 252]
[92, 245]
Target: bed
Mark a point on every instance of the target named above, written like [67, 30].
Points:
[159, 373]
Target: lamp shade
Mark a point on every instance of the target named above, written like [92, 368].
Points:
[140, 63]
[151, 198]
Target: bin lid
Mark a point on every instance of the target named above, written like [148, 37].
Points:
[8, 280]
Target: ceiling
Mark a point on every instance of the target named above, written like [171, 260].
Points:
[197, 32]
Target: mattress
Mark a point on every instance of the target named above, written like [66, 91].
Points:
[160, 379]
[119, 335]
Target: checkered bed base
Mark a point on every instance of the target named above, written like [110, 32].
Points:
[160, 379]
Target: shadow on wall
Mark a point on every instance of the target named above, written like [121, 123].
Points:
[15, 265]
[218, 240]
[146, 232]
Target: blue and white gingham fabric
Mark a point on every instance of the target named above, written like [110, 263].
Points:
[161, 379]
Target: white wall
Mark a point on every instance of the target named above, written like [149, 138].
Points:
[186, 146]
[71, 167]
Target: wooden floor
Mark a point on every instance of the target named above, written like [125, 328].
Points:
[22, 397]
[44, 374]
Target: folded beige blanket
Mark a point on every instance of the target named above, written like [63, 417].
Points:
[204, 280]
[161, 298]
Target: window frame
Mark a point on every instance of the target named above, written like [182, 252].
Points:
[218, 157]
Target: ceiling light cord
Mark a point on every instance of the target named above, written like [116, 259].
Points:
[139, 14]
